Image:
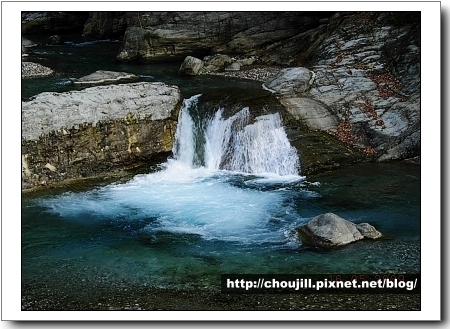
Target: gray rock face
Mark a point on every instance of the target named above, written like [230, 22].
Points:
[105, 77]
[190, 66]
[367, 73]
[330, 230]
[95, 131]
[290, 81]
[367, 77]
[155, 36]
[314, 114]
[104, 25]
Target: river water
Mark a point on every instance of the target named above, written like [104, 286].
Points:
[227, 201]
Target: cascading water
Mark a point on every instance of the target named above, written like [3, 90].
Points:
[234, 144]
[206, 188]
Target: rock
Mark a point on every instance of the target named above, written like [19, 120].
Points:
[54, 40]
[247, 61]
[34, 70]
[368, 231]
[105, 77]
[290, 81]
[236, 66]
[313, 113]
[216, 62]
[26, 43]
[133, 45]
[96, 131]
[190, 66]
[367, 73]
[104, 25]
[330, 230]
[162, 36]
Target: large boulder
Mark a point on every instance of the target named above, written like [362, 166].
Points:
[330, 230]
[291, 81]
[101, 77]
[191, 66]
[96, 131]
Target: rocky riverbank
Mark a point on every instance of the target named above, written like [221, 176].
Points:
[35, 70]
[359, 99]
[257, 73]
[362, 74]
[95, 131]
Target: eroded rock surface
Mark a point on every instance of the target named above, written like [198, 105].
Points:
[156, 36]
[366, 75]
[95, 131]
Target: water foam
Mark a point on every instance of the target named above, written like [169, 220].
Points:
[192, 193]
[235, 144]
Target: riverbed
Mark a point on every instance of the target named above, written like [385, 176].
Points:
[174, 229]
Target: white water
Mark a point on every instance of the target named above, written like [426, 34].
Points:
[211, 186]
[235, 144]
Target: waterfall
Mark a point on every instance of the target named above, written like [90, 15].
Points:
[184, 148]
[234, 143]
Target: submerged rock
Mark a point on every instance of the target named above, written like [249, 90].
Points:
[105, 77]
[95, 131]
[330, 230]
